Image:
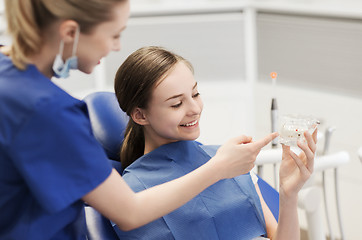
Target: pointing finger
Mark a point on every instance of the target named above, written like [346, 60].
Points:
[242, 139]
[263, 142]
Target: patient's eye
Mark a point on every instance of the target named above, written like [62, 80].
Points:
[177, 105]
[118, 36]
[196, 95]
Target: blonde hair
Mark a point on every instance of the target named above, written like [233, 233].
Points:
[28, 19]
[135, 80]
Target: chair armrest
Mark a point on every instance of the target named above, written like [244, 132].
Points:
[98, 227]
[268, 156]
[331, 161]
[321, 163]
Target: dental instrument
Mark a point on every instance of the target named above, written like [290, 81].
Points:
[274, 109]
[274, 122]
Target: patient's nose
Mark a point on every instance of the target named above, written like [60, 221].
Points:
[195, 107]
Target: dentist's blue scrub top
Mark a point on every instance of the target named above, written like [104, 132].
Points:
[49, 158]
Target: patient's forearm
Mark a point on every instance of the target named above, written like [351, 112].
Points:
[288, 224]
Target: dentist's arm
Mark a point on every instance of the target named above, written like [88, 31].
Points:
[116, 201]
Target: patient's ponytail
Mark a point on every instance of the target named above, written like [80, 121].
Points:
[134, 83]
[133, 144]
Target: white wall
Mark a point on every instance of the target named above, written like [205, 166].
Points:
[3, 39]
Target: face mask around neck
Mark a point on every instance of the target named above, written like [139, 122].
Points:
[61, 69]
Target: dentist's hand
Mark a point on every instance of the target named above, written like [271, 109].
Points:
[237, 156]
[5, 50]
[296, 170]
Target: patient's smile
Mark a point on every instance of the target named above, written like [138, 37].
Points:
[190, 124]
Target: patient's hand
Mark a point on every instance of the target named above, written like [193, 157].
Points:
[296, 170]
[238, 155]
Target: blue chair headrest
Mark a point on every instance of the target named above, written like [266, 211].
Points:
[108, 121]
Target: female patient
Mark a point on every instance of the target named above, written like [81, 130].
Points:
[156, 88]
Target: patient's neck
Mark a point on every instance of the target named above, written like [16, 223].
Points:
[154, 141]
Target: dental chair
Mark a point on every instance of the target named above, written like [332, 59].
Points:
[109, 123]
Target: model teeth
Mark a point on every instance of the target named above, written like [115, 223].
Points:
[190, 124]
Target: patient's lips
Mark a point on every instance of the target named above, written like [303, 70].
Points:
[190, 124]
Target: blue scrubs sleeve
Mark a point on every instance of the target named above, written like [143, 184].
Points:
[57, 154]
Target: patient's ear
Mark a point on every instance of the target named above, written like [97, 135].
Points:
[138, 115]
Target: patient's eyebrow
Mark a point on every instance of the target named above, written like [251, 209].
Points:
[194, 86]
[180, 95]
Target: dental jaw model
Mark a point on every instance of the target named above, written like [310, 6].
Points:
[292, 129]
